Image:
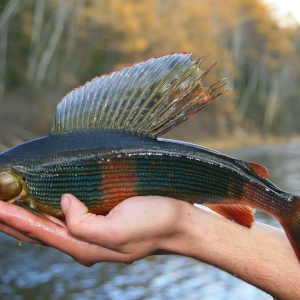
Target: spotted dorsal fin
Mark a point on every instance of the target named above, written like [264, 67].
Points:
[148, 98]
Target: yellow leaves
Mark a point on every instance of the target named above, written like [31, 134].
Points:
[140, 44]
[97, 36]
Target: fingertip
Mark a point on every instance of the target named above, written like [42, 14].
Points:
[72, 207]
[65, 203]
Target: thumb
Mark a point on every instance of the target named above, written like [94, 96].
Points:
[71, 206]
[83, 225]
[78, 219]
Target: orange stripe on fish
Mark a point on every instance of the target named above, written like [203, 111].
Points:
[118, 183]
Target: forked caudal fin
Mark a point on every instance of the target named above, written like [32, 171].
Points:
[291, 226]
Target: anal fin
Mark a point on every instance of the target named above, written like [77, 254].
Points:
[241, 214]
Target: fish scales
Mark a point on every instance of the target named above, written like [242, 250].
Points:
[168, 172]
[104, 147]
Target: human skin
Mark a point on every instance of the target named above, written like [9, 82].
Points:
[142, 226]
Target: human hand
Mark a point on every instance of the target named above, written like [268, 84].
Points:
[136, 228]
[141, 226]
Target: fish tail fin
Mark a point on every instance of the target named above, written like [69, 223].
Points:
[291, 226]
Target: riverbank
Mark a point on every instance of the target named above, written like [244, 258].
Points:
[236, 141]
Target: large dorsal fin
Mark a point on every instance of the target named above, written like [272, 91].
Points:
[148, 98]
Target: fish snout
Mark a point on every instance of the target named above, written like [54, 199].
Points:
[10, 186]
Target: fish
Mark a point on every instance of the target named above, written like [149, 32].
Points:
[105, 146]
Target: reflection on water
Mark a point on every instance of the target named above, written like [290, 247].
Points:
[36, 272]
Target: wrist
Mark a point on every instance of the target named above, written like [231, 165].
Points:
[189, 231]
[200, 234]
[259, 255]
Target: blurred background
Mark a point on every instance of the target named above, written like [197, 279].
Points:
[47, 48]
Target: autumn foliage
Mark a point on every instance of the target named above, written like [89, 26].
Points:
[50, 47]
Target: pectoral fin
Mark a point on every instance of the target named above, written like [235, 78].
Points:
[241, 214]
[26, 205]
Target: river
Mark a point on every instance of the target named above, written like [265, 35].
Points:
[37, 272]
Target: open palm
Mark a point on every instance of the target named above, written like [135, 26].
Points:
[134, 229]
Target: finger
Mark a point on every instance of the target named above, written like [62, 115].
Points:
[91, 228]
[21, 223]
[71, 206]
[19, 236]
[6, 210]
[24, 225]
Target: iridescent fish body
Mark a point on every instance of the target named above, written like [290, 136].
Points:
[104, 147]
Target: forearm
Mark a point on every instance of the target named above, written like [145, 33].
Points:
[261, 255]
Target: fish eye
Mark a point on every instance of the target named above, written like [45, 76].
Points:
[10, 186]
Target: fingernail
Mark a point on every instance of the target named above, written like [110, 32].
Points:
[65, 203]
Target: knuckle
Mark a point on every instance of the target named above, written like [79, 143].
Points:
[83, 259]
[118, 239]
[84, 262]
[119, 235]
[119, 242]
[129, 259]
[75, 226]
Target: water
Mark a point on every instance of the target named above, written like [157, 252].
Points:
[36, 272]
